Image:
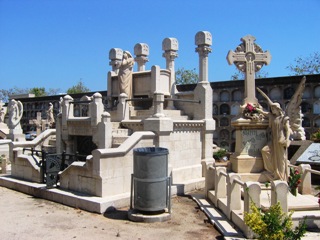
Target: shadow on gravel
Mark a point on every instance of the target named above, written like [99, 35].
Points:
[116, 214]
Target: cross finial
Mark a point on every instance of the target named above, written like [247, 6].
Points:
[249, 59]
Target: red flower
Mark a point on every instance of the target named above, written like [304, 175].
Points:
[296, 172]
[250, 107]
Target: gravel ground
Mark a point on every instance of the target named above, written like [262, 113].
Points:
[26, 217]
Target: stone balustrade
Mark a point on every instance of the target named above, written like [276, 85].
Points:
[233, 196]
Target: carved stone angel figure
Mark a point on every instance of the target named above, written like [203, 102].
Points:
[125, 74]
[282, 124]
[15, 114]
[50, 117]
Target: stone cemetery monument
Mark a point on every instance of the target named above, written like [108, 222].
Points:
[89, 156]
[91, 149]
[250, 125]
[262, 140]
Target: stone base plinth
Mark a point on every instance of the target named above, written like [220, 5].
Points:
[137, 216]
[246, 164]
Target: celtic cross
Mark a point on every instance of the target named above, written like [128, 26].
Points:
[249, 59]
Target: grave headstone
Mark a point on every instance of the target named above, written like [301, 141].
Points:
[250, 129]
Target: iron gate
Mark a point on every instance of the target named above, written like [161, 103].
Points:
[51, 164]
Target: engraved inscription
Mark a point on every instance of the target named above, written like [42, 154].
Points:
[253, 141]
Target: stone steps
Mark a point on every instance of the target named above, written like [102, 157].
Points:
[143, 114]
[119, 136]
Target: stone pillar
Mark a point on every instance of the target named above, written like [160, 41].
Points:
[203, 91]
[203, 40]
[115, 57]
[170, 47]
[96, 109]
[203, 94]
[122, 108]
[141, 50]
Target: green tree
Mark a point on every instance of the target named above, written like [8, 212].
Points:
[38, 92]
[185, 76]
[78, 88]
[306, 65]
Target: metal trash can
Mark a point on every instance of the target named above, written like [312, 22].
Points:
[150, 183]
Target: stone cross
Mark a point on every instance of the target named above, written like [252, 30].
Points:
[37, 122]
[249, 59]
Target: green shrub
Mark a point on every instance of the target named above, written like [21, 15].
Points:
[273, 224]
[220, 153]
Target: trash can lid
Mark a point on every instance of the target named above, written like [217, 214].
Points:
[151, 150]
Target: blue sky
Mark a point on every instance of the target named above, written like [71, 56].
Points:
[55, 43]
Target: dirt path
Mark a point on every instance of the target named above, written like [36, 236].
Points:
[25, 217]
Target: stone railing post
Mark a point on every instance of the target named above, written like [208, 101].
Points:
[103, 137]
[122, 108]
[209, 179]
[305, 185]
[220, 185]
[67, 109]
[170, 47]
[158, 100]
[141, 50]
[233, 194]
[203, 40]
[96, 109]
[252, 192]
[279, 193]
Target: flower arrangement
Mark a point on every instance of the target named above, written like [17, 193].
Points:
[294, 180]
[253, 111]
